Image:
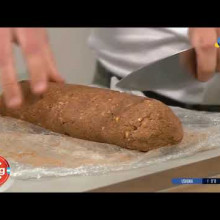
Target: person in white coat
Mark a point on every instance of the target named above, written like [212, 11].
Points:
[119, 51]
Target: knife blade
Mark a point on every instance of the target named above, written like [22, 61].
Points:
[173, 72]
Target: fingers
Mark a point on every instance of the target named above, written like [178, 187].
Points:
[36, 49]
[31, 42]
[203, 40]
[40, 62]
[10, 86]
[52, 69]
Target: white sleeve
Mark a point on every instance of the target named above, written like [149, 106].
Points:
[179, 31]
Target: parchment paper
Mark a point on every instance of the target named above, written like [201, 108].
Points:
[34, 152]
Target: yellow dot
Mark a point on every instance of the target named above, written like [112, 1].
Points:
[216, 45]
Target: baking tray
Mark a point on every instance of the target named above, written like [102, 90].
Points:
[161, 181]
[154, 178]
[203, 131]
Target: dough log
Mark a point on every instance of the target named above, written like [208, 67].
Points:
[99, 115]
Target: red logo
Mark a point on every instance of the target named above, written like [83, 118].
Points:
[4, 170]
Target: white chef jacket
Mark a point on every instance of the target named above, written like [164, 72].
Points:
[123, 50]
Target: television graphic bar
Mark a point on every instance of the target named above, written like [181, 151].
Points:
[182, 181]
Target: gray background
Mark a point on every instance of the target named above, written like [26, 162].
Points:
[75, 60]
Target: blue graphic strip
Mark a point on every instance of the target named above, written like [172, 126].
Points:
[180, 181]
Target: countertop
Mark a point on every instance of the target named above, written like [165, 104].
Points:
[101, 183]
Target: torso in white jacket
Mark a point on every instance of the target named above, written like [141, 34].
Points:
[123, 50]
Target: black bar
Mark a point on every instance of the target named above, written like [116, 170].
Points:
[211, 181]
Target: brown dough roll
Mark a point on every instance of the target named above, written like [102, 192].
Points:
[100, 115]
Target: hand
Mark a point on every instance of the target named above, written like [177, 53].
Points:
[207, 55]
[40, 63]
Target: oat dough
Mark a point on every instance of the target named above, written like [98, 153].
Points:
[100, 115]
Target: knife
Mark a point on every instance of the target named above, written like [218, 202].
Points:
[173, 72]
